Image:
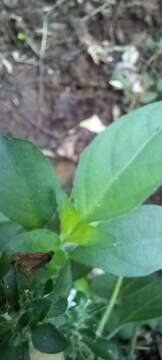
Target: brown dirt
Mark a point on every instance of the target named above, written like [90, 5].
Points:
[44, 97]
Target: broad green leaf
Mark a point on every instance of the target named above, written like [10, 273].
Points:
[8, 231]
[33, 241]
[27, 183]
[47, 339]
[40, 240]
[130, 245]
[122, 166]
[131, 286]
[144, 304]
[104, 284]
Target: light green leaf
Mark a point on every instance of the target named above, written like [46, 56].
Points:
[130, 246]
[122, 166]
[27, 183]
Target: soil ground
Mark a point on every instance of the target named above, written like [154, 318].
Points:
[57, 63]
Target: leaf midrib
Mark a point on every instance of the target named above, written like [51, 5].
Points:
[92, 210]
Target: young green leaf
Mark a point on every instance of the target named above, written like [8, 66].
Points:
[122, 166]
[135, 248]
[47, 339]
[27, 183]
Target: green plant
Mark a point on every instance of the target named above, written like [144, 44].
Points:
[49, 242]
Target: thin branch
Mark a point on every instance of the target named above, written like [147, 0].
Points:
[98, 10]
[110, 307]
[42, 52]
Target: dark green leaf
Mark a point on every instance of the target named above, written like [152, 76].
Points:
[130, 245]
[64, 281]
[79, 270]
[27, 183]
[39, 309]
[11, 288]
[122, 166]
[104, 284]
[58, 307]
[143, 304]
[10, 352]
[23, 321]
[8, 231]
[48, 287]
[47, 339]
[4, 264]
[5, 328]
[101, 347]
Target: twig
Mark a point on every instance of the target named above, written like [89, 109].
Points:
[54, 7]
[44, 37]
[110, 307]
[133, 343]
[98, 10]
[41, 70]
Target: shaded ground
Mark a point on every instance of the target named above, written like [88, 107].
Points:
[57, 59]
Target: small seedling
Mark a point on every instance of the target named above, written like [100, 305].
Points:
[21, 36]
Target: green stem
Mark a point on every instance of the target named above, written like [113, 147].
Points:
[110, 307]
